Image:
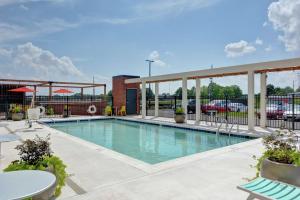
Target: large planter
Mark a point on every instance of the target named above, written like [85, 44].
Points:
[17, 116]
[179, 118]
[282, 172]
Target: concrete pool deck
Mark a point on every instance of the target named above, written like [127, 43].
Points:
[99, 173]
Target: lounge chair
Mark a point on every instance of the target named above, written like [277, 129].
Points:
[33, 114]
[122, 111]
[266, 189]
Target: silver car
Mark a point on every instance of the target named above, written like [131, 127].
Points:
[288, 113]
[237, 107]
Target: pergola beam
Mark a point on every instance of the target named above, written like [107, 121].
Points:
[271, 66]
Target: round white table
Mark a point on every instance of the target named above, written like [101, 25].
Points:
[8, 138]
[24, 184]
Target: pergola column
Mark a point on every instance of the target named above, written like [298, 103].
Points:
[198, 100]
[50, 90]
[156, 99]
[143, 99]
[184, 95]
[251, 101]
[263, 94]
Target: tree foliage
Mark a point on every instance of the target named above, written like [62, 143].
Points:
[272, 90]
[217, 91]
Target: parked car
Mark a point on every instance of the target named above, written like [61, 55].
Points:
[274, 111]
[216, 105]
[288, 114]
[237, 107]
[191, 107]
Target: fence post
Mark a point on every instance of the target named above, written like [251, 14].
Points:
[175, 103]
[293, 111]
[6, 107]
[67, 106]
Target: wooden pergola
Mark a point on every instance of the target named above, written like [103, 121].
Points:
[53, 84]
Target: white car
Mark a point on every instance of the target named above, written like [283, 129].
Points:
[288, 114]
[237, 107]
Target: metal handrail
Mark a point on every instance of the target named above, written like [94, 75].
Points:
[232, 125]
[219, 127]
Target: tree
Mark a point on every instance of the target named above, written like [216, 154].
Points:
[217, 91]
[149, 93]
[109, 93]
[272, 90]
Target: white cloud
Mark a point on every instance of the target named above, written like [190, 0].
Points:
[29, 61]
[23, 7]
[265, 24]
[9, 32]
[11, 2]
[154, 55]
[240, 48]
[285, 17]
[268, 49]
[158, 7]
[258, 41]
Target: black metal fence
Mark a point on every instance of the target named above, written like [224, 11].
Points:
[55, 106]
[282, 111]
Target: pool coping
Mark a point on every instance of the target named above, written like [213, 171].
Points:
[146, 167]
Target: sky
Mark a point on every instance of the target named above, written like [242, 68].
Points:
[74, 40]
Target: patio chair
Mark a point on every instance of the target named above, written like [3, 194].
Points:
[122, 111]
[33, 114]
[266, 189]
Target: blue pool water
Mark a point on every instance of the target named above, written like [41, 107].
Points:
[146, 142]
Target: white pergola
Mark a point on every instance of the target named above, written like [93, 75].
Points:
[247, 69]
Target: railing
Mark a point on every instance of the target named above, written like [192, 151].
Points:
[282, 111]
[56, 106]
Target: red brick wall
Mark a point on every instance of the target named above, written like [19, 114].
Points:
[119, 91]
[78, 108]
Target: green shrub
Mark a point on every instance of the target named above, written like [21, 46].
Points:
[33, 151]
[16, 109]
[108, 110]
[280, 147]
[50, 111]
[179, 111]
[36, 155]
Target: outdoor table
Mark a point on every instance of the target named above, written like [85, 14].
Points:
[24, 183]
[7, 138]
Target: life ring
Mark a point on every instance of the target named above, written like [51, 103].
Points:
[92, 109]
[42, 110]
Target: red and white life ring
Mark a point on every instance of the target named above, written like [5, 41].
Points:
[92, 109]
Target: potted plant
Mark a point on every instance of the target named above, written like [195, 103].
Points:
[179, 115]
[17, 113]
[108, 111]
[281, 159]
[67, 111]
[50, 111]
[36, 154]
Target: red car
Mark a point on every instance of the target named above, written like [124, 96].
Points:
[216, 105]
[274, 111]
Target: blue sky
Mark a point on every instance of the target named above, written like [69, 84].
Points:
[76, 39]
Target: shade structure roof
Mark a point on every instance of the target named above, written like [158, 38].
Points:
[21, 89]
[63, 91]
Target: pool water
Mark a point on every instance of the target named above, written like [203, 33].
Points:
[146, 142]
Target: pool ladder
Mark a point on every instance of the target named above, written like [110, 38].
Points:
[226, 127]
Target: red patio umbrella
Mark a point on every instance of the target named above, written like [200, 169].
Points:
[63, 91]
[21, 89]
[24, 90]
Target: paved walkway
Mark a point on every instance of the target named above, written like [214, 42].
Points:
[98, 173]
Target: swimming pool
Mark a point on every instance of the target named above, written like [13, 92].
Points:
[146, 142]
